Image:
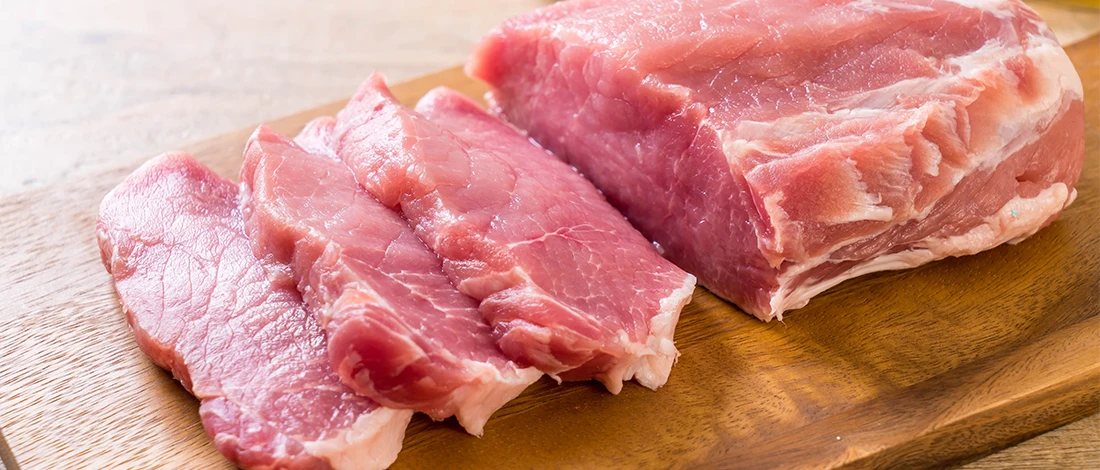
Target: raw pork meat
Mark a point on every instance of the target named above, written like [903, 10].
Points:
[316, 137]
[775, 148]
[202, 306]
[398, 331]
[568, 285]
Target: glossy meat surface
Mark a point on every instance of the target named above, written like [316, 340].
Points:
[202, 306]
[775, 148]
[398, 331]
[567, 284]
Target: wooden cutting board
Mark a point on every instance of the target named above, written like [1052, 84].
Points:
[931, 366]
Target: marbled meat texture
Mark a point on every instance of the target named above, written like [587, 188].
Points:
[398, 331]
[775, 148]
[567, 284]
[202, 306]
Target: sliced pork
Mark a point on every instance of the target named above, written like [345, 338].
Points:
[398, 331]
[567, 284]
[202, 306]
[775, 148]
[316, 137]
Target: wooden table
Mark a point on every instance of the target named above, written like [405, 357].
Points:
[92, 85]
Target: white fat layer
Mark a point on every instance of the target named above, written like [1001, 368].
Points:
[476, 401]
[494, 281]
[789, 298]
[1018, 219]
[778, 218]
[488, 388]
[1056, 70]
[867, 207]
[1057, 83]
[884, 6]
[743, 136]
[542, 335]
[651, 364]
[372, 442]
[1059, 79]
[987, 5]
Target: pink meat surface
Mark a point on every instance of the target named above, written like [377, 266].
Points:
[398, 331]
[775, 148]
[316, 137]
[202, 306]
[567, 284]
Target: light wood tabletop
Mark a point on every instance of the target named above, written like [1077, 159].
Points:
[90, 85]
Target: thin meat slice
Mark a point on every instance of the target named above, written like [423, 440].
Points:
[398, 331]
[202, 306]
[775, 148]
[567, 284]
[316, 137]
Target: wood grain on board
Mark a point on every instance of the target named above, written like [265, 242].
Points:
[935, 365]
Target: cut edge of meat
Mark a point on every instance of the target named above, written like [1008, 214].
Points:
[650, 364]
[475, 402]
[483, 386]
[1054, 72]
[1058, 74]
[374, 441]
[653, 364]
[1032, 214]
[608, 359]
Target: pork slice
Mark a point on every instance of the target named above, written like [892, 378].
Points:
[201, 305]
[398, 331]
[567, 284]
[316, 137]
[775, 148]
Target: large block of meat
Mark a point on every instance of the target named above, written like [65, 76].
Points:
[202, 306]
[398, 331]
[567, 284]
[777, 147]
